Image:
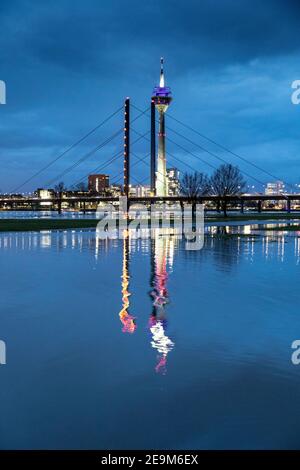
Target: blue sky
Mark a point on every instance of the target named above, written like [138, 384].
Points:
[69, 64]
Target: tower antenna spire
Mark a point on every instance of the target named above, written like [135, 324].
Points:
[162, 77]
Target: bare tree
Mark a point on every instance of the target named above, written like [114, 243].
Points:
[80, 187]
[194, 185]
[59, 188]
[227, 180]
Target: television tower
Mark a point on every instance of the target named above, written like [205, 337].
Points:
[161, 98]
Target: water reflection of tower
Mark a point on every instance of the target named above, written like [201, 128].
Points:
[128, 321]
[160, 249]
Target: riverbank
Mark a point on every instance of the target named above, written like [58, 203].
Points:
[35, 225]
[283, 228]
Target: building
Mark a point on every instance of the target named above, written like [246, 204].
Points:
[45, 193]
[161, 98]
[140, 190]
[173, 181]
[75, 193]
[115, 190]
[276, 188]
[98, 183]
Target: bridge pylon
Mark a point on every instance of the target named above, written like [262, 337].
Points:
[126, 179]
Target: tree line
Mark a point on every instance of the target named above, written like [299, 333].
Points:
[227, 180]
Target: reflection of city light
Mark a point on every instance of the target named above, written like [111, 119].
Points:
[45, 240]
[297, 248]
[171, 253]
[162, 343]
[128, 321]
[281, 243]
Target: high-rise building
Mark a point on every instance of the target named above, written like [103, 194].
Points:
[161, 98]
[45, 193]
[115, 190]
[173, 181]
[273, 189]
[98, 183]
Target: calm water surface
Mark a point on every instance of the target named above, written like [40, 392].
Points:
[142, 344]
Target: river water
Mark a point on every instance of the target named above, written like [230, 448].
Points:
[139, 343]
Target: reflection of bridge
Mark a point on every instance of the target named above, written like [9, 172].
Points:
[162, 250]
[91, 202]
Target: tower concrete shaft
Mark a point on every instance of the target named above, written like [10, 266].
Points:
[161, 174]
[153, 151]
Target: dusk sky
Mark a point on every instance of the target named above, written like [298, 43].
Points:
[69, 64]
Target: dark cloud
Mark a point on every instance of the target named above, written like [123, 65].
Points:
[79, 34]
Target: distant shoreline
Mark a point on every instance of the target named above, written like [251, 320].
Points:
[36, 225]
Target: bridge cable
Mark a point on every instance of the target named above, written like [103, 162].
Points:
[178, 159]
[82, 159]
[228, 150]
[105, 164]
[120, 174]
[75, 144]
[223, 148]
[207, 151]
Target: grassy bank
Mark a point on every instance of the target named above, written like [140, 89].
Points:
[35, 225]
[254, 217]
[25, 225]
[284, 228]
